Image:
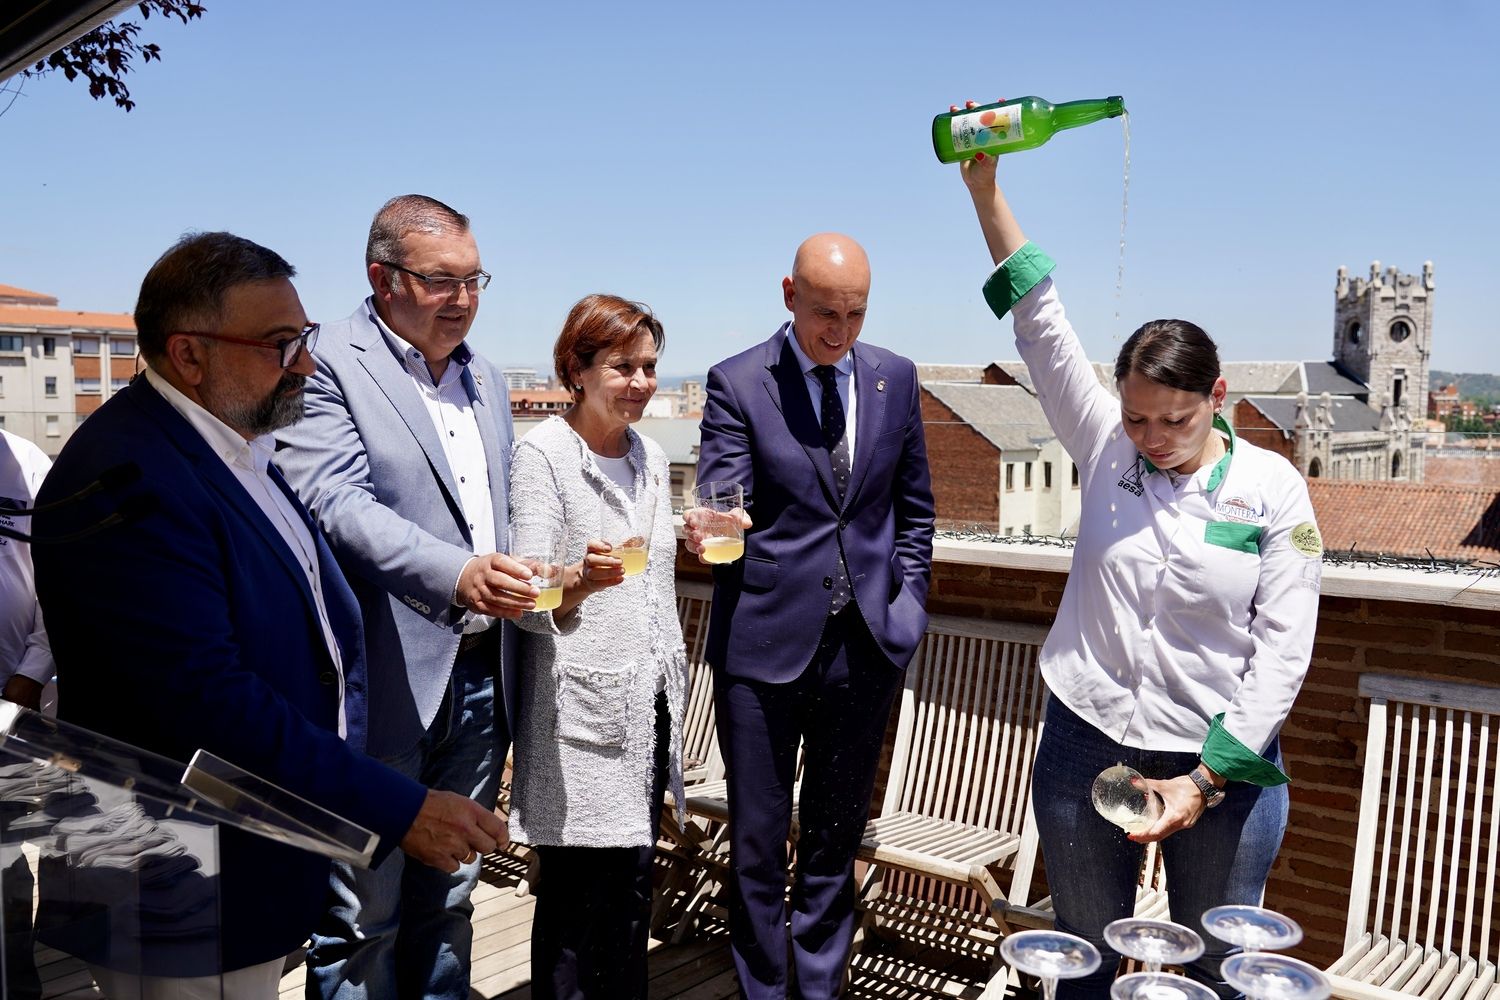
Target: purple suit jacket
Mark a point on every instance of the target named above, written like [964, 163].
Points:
[759, 429]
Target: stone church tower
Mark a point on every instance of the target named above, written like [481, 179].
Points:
[1382, 335]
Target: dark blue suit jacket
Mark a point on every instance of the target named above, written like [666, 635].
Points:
[759, 429]
[196, 627]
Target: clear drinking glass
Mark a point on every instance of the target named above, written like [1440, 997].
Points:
[1154, 942]
[1050, 956]
[1274, 977]
[716, 508]
[543, 549]
[629, 533]
[1159, 986]
[1253, 928]
[1120, 795]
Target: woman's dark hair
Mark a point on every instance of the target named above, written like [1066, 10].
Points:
[600, 323]
[1172, 352]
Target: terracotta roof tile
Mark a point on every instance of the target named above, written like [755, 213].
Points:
[1408, 519]
[12, 292]
[40, 316]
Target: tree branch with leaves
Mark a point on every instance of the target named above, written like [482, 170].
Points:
[105, 55]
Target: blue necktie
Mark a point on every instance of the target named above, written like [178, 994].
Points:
[836, 440]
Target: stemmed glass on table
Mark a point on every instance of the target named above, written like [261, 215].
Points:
[1258, 975]
[1155, 943]
[1050, 956]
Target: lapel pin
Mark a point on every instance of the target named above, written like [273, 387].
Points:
[880, 386]
[478, 379]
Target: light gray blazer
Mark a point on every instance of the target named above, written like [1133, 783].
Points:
[586, 733]
[367, 462]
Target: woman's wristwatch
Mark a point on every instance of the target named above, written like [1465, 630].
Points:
[1212, 794]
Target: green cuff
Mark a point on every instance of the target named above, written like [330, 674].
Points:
[1229, 757]
[1017, 274]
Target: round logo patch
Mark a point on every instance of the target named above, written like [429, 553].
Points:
[1306, 540]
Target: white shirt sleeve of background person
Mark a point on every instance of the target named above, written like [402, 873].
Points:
[1285, 616]
[1081, 411]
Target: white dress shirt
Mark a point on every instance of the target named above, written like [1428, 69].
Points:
[1165, 622]
[24, 648]
[249, 462]
[452, 414]
[843, 377]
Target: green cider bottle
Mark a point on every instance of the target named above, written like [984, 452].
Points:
[1011, 126]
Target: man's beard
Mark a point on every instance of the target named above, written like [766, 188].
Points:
[281, 408]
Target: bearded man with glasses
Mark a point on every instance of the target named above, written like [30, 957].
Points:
[220, 620]
[404, 461]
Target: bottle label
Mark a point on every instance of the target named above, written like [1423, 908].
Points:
[986, 129]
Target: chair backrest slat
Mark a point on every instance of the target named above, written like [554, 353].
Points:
[1428, 840]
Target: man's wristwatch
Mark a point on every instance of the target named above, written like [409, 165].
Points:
[1212, 794]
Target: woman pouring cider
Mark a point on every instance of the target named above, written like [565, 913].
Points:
[1187, 621]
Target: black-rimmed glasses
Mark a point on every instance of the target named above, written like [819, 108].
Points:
[291, 348]
[442, 284]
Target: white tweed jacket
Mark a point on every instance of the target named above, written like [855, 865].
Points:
[586, 723]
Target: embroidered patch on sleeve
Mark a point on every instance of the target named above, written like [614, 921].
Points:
[1306, 540]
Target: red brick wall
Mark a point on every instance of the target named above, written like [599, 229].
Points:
[1255, 427]
[1323, 741]
[965, 468]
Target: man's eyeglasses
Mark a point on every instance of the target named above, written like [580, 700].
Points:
[291, 349]
[443, 285]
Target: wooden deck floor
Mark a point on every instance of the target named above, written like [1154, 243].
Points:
[697, 970]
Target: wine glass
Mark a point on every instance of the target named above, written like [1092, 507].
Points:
[1253, 928]
[1154, 942]
[1274, 977]
[1050, 956]
[1159, 986]
[1120, 795]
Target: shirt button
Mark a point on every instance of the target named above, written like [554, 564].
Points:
[843, 525]
[827, 583]
[327, 678]
[462, 479]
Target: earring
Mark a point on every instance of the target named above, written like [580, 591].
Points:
[578, 388]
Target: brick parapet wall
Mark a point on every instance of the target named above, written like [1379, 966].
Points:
[1454, 636]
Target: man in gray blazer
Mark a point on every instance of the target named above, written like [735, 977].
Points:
[403, 459]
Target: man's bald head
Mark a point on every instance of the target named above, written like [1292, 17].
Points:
[827, 293]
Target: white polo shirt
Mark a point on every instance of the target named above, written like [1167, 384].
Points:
[1184, 601]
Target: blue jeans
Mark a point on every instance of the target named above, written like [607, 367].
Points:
[1092, 868]
[403, 929]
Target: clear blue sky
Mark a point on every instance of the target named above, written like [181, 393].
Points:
[677, 153]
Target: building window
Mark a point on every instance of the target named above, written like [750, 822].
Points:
[49, 347]
[1398, 386]
[85, 345]
[1075, 476]
[2, 420]
[116, 384]
[125, 347]
[2, 385]
[87, 387]
[1009, 532]
[1010, 476]
[1046, 475]
[1352, 331]
[1396, 465]
[1028, 475]
[1025, 529]
[12, 343]
[1314, 469]
[54, 426]
[1400, 330]
[49, 386]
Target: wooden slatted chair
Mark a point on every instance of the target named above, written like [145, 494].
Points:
[1422, 898]
[959, 787]
[700, 743]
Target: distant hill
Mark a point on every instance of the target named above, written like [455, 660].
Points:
[1470, 384]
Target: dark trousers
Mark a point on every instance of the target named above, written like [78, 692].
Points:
[593, 909]
[838, 708]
